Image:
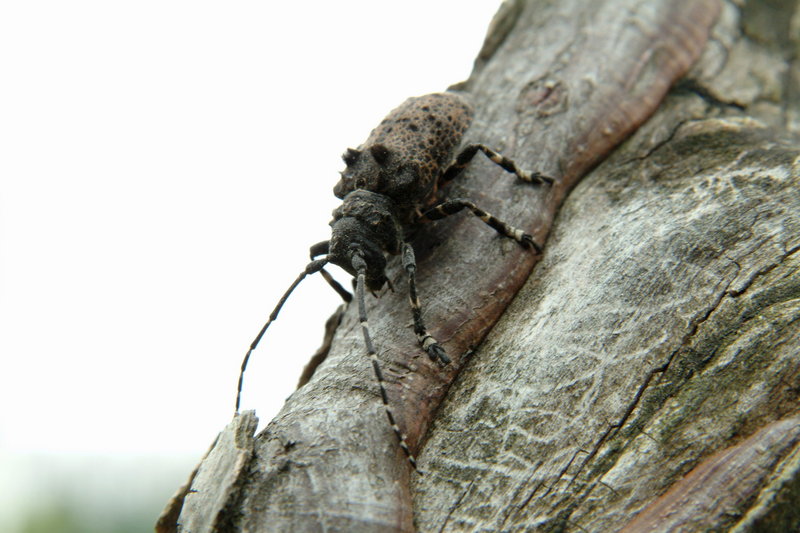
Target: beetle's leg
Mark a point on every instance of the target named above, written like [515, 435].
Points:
[426, 340]
[321, 248]
[465, 156]
[361, 268]
[312, 267]
[451, 207]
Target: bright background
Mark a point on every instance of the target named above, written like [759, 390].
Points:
[164, 167]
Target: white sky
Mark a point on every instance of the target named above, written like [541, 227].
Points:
[164, 167]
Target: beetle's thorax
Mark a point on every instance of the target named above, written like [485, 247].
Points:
[404, 156]
[365, 224]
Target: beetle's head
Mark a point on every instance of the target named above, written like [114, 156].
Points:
[364, 225]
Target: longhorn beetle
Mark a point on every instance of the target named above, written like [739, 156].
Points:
[390, 184]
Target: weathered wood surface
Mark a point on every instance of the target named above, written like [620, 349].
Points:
[660, 327]
[660, 332]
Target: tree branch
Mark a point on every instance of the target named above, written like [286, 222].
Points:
[600, 338]
[659, 336]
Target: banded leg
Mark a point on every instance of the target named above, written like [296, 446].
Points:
[465, 156]
[312, 267]
[426, 340]
[321, 248]
[361, 268]
[451, 207]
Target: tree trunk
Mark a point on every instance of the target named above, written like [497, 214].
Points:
[646, 375]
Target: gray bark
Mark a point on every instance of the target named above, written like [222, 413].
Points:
[646, 376]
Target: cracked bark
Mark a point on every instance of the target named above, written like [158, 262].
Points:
[646, 375]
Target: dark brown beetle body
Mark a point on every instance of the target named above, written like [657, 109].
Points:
[404, 157]
[390, 185]
[392, 177]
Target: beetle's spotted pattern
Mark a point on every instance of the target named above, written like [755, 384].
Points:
[411, 147]
[424, 131]
[389, 185]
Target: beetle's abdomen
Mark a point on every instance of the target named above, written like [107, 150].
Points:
[403, 157]
[425, 130]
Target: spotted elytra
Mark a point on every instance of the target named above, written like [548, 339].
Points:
[391, 184]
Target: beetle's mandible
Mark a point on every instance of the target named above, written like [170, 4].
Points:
[390, 184]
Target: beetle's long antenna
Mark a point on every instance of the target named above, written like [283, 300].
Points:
[312, 267]
[360, 267]
[322, 248]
